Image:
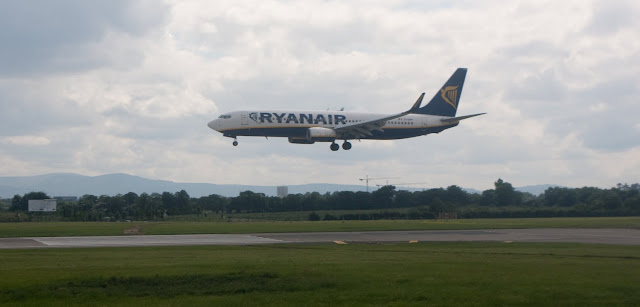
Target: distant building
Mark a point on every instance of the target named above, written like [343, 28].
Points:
[627, 187]
[283, 191]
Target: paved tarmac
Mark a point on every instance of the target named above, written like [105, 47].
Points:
[602, 236]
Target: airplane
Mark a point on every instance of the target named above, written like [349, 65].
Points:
[308, 127]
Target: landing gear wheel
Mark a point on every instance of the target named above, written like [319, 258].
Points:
[346, 145]
[235, 142]
[334, 147]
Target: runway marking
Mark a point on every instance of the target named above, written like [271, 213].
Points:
[340, 242]
[413, 241]
[155, 240]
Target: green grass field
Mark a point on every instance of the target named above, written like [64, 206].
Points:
[460, 274]
[35, 229]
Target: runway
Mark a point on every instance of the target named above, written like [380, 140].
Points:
[599, 236]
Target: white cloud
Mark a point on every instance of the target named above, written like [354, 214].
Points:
[26, 140]
[598, 107]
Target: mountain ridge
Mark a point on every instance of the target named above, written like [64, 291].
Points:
[71, 184]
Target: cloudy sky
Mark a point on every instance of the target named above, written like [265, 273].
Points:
[98, 87]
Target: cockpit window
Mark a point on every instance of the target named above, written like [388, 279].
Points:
[225, 116]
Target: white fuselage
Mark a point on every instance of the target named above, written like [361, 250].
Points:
[295, 123]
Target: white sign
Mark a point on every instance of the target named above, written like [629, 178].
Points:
[42, 205]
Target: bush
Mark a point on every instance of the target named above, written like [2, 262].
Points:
[314, 216]
[329, 217]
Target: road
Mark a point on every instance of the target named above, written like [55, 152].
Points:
[602, 236]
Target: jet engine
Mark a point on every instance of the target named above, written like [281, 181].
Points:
[293, 140]
[319, 134]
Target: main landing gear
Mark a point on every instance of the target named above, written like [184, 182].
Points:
[346, 146]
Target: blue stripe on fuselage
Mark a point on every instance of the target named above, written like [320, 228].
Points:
[301, 132]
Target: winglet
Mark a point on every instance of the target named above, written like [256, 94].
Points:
[416, 105]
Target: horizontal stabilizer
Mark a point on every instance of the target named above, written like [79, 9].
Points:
[459, 118]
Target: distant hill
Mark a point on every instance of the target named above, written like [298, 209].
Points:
[537, 189]
[64, 184]
[113, 184]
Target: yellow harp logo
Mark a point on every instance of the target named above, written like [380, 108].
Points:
[450, 95]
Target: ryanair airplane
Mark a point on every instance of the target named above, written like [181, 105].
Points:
[308, 127]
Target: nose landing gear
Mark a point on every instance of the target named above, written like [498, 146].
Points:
[235, 141]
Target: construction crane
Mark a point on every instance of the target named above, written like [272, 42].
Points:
[367, 179]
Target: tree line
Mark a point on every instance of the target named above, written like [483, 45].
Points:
[388, 202]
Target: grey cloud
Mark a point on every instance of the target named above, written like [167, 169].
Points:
[600, 115]
[575, 111]
[613, 128]
[140, 127]
[609, 16]
[307, 91]
[611, 132]
[535, 49]
[357, 35]
[616, 91]
[544, 86]
[305, 40]
[35, 112]
[52, 36]
[218, 44]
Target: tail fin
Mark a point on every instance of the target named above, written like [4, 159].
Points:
[445, 102]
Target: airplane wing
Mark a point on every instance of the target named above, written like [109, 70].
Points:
[364, 129]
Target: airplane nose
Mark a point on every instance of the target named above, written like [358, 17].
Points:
[211, 124]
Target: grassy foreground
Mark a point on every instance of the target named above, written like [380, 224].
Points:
[471, 274]
[38, 229]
